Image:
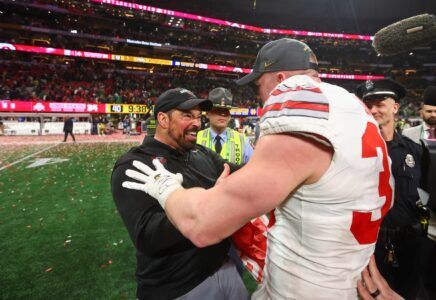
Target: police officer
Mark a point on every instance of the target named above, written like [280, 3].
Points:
[398, 249]
[230, 144]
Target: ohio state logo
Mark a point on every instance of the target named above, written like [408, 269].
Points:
[39, 107]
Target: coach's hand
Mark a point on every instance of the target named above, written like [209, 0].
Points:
[159, 183]
[374, 286]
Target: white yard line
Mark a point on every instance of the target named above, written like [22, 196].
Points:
[27, 157]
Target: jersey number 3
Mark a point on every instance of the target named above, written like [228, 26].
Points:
[364, 230]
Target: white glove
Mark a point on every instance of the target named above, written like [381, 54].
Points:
[159, 183]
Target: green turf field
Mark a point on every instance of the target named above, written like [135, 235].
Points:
[61, 236]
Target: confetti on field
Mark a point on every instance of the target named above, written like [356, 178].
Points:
[56, 214]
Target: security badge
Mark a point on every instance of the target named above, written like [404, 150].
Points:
[410, 161]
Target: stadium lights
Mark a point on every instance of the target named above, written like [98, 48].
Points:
[151, 9]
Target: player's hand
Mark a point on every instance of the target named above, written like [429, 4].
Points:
[159, 183]
[225, 173]
[374, 286]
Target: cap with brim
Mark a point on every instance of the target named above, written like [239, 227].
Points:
[180, 98]
[221, 98]
[281, 55]
[378, 89]
[429, 96]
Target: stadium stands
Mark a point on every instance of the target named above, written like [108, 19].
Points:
[105, 28]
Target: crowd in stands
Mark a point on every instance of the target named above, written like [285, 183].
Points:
[87, 81]
[240, 46]
[51, 79]
[38, 77]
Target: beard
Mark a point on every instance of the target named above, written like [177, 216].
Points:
[430, 121]
[185, 140]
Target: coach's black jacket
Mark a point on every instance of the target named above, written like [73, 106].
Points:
[168, 264]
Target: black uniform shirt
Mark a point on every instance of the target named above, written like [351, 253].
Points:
[168, 264]
[406, 169]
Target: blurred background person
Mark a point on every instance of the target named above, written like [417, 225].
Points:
[68, 128]
[427, 130]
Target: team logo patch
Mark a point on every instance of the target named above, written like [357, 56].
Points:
[161, 159]
[410, 161]
[369, 85]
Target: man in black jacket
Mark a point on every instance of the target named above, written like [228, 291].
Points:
[169, 266]
[68, 128]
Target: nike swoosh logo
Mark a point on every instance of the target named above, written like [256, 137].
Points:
[267, 64]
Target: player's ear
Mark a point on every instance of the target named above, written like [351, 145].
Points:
[280, 76]
[163, 119]
[396, 107]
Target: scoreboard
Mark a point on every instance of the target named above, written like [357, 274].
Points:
[127, 109]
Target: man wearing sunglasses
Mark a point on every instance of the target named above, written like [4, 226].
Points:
[399, 243]
[230, 144]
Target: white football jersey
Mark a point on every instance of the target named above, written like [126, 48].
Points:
[325, 233]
